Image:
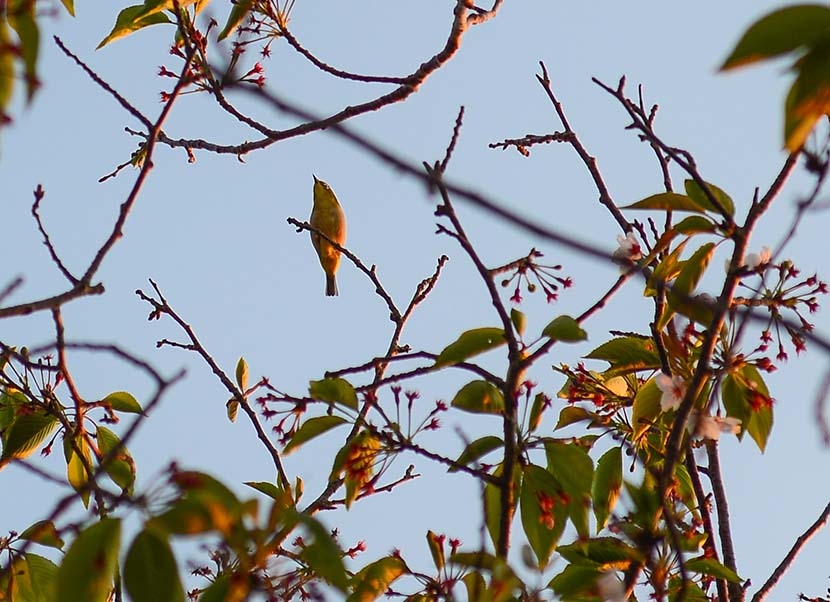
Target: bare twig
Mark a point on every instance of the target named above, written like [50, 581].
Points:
[785, 564]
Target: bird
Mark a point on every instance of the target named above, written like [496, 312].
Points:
[327, 217]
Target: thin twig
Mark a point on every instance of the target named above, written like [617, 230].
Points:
[785, 564]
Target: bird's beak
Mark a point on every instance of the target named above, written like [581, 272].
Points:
[315, 178]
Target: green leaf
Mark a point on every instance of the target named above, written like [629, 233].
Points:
[41, 576]
[479, 397]
[311, 428]
[268, 489]
[574, 580]
[469, 344]
[121, 469]
[88, 568]
[573, 468]
[759, 425]
[334, 390]
[239, 11]
[76, 472]
[746, 397]
[697, 194]
[121, 401]
[607, 484]
[695, 224]
[565, 329]
[685, 488]
[571, 415]
[780, 32]
[693, 269]
[132, 19]
[477, 449]
[7, 77]
[492, 502]
[25, 434]
[44, 533]
[22, 20]
[710, 566]
[242, 374]
[667, 201]
[543, 512]
[685, 283]
[668, 267]
[218, 591]
[646, 408]
[232, 409]
[627, 354]
[475, 585]
[604, 553]
[150, 571]
[519, 320]
[322, 553]
[540, 403]
[436, 549]
[809, 97]
[371, 582]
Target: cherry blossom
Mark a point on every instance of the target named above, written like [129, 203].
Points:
[673, 388]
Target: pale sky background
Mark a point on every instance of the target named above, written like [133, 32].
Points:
[214, 235]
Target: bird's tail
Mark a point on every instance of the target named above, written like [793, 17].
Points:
[331, 285]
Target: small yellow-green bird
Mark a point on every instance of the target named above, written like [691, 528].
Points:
[327, 217]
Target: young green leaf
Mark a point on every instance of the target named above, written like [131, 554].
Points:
[780, 32]
[574, 470]
[710, 566]
[371, 582]
[311, 428]
[667, 201]
[543, 512]
[22, 19]
[469, 344]
[239, 11]
[334, 390]
[436, 549]
[132, 19]
[479, 397]
[25, 434]
[646, 408]
[321, 552]
[150, 570]
[697, 194]
[232, 409]
[121, 401]
[571, 415]
[519, 320]
[44, 533]
[565, 329]
[607, 484]
[121, 469]
[242, 374]
[809, 97]
[695, 224]
[574, 580]
[477, 449]
[89, 565]
[627, 354]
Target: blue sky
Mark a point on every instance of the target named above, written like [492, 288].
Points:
[214, 235]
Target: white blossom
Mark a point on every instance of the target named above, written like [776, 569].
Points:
[673, 388]
[629, 248]
[756, 260]
[710, 427]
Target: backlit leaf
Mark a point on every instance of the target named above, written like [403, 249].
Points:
[479, 397]
[311, 428]
[565, 329]
[469, 344]
[87, 570]
[150, 570]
